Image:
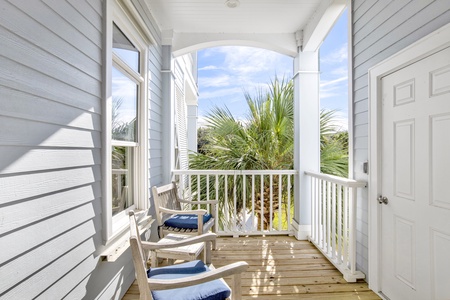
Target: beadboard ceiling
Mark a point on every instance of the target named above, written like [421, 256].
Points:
[279, 25]
[251, 16]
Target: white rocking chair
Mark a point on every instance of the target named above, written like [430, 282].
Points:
[185, 281]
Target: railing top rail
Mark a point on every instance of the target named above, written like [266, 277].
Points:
[234, 172]
[338, 180]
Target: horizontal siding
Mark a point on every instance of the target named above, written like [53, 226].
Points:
[16, 76]
[47, 205]
[72, 51]
[155, 117]
[20, 132]
[63, 30]
[46, 64]
[380, 29]
[50, 140]
[35, 108]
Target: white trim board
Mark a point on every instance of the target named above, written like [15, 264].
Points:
[425, 47]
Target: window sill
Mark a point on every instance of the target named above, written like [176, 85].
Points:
[121, 242]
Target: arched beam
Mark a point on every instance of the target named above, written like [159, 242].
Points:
[183, 43]
[321, 23]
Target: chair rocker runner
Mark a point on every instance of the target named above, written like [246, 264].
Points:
[171, 218]
[185, 281]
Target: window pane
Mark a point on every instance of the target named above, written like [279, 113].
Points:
[124, 107]
[122, 178]
[125, 49]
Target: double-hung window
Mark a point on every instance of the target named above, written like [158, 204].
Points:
[126, 119]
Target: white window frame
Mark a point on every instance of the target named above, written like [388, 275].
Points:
[116, 227]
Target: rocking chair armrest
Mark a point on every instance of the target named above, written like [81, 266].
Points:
[207, 237]
[199, 212]
[231, 269]
[201, 202]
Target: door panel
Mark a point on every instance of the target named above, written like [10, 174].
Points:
[415, 224]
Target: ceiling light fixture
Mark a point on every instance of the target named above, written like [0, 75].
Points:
[232, 3]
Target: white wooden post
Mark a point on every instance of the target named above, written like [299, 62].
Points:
[168, 108]
[306, 141]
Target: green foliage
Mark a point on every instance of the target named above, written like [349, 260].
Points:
[264, 141]
[333, 146]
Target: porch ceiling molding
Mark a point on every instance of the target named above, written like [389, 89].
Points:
[279, 25]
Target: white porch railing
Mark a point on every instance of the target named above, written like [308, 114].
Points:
[333, 228]
[250, 202]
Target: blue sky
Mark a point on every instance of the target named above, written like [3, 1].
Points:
[224, 73]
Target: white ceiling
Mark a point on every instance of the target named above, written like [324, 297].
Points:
[251, 16]
[279, 25]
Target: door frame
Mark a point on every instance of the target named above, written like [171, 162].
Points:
[430, 44]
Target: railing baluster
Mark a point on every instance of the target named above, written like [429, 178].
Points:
[271, 202]
[207, 193]
[289, 203]
[280, 216]
[198, 187]
[190, 187]
[333, 219]
[216, 184]
[328, 217]
[234, 207]
[253, 202]
[207, 187]
[225, 205]
[352, 230]
[244, 204]
[262, 202]
[345, 235]
[324, 215]
[339, 224]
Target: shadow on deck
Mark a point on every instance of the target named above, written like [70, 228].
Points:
[282, 267]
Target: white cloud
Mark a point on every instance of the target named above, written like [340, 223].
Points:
[333, 88]
[208, 68]
[216, 81]
[333, 82]
[338, 56]
[247, 61]
[220, 93]
[239, 70]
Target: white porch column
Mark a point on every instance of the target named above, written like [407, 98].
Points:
[167, 111]
[307, 136]
[192, 116]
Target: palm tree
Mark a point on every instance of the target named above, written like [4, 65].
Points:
[333, 146]
[264, 141]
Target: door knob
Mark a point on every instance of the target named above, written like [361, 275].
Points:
[383, 200]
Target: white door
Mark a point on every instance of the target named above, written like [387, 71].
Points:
[415, 222]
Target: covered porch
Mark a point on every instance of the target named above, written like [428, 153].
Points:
[306, 234]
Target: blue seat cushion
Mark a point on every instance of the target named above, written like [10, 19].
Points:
[211, 290]
[186, 221]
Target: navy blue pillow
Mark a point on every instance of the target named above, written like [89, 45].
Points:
[212, 290]
[186, 221]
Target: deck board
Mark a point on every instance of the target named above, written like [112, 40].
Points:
[280, 267]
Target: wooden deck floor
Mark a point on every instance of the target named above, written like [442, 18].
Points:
[282, 268]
